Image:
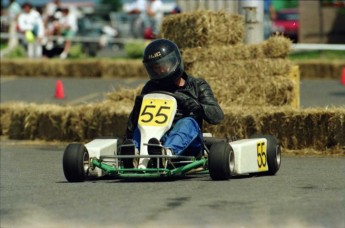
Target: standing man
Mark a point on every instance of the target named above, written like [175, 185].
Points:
[269, 17]
[14, 10]
[156, 14]
[31, 24]
[68, 27]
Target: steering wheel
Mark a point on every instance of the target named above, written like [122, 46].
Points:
[164, 92]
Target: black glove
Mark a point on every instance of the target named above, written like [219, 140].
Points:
[187, 103]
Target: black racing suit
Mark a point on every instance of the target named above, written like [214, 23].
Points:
[194, 99]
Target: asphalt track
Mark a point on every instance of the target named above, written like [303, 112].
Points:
[313, 93]
[306, 192]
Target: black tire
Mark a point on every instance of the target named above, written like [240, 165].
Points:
[75, 162]
[221, 161]
[273, 153]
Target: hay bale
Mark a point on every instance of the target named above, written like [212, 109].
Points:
[124, 95]
[250, 82]
[274, 47]
[73, 68]
[122, 69]
[319, 129]
[203, 29]
[321, 69]
[277, 47]
[294, 75]
[52, 68]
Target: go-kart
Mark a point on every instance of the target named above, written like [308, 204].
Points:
[257, 155]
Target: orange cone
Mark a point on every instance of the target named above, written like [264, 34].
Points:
[343, 77]
[59, 91]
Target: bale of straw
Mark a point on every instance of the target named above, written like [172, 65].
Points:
[124, 95]
[73, 68]
[203, 29]
[295, 77]
[319, 129]
[52, 68]
[250, 82]
[274, 47]
[122, 69]
[320, 69]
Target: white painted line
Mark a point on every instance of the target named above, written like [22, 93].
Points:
[7, 79]
[84, 98]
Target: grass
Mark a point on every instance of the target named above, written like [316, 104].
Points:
[322, 55]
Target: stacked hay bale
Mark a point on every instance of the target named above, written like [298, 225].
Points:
[239, 74]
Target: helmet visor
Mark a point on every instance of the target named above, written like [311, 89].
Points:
[162, 67]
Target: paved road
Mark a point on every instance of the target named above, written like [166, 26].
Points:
[306, 192]
[41, 90]
[76, 91]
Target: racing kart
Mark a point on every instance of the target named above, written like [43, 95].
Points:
[257, 155]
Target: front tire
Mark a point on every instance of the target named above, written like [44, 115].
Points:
[221, 161]
[75, 162]
[273, 153]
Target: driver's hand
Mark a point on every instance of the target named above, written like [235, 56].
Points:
[187, 103]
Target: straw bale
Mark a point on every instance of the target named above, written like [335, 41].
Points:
[319, 129]
[73, 68]
[124, 95]
[250, 82]
[123, 69]
[252, 68]
[274, 47]
[313, 69]
[277, 47]
[203, 28]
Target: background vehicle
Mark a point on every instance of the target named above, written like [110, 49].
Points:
[287, 23]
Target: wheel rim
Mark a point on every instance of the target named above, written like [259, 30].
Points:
[86, 162]
[231, 161]
[278, 155]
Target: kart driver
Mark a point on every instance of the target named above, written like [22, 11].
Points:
[195, 102]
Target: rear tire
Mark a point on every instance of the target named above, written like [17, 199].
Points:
[273, 153]
[75, 162]
[221, 161]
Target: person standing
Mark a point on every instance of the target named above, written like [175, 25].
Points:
[139, 18]
[269, 17]
[156, 14]
[30, 23]
[14, 10]
[68, 27]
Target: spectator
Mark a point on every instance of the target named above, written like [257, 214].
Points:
[68, 27]
[269, 16]
[139, 18]
[14, 10]
[51, 8]
[31, 24]
[156, 14]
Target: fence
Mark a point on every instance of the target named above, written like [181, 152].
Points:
[230, 6]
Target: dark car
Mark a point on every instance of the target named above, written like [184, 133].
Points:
[287, 23]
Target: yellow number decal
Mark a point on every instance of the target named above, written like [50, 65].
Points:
[155, 112]
[261, 156]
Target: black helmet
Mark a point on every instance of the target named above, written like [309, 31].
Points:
[163, 62]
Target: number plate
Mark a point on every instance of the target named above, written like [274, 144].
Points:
[262, 156]
[155, 112]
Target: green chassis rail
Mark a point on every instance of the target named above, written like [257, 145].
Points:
[149, 172]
